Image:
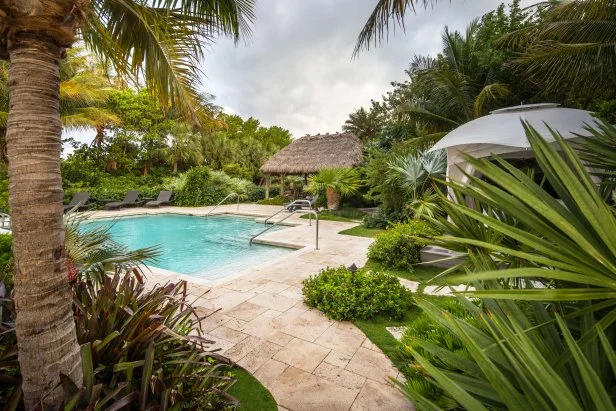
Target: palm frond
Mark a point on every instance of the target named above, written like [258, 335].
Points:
[491, 92]
[94, 252]
[376, 28]
[162, 43]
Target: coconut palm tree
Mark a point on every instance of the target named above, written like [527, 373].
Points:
[364, 124]
[571, 47]
[452, 89]
[158, 42]
[335, 183]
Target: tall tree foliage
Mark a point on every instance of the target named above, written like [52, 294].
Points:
[572, 49]
[158, 41]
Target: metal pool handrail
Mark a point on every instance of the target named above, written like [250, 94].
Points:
[225, 199]
[311, 212]
[303, 203]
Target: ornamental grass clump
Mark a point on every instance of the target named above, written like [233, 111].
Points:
[342, 294]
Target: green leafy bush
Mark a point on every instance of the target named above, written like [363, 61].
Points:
[237, 170]
[4, 189]
[6, 258]
[397, 247]
[201, 186]
[278, 200]
[345, 295]
[383, 218]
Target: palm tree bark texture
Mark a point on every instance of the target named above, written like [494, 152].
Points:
[34, 37]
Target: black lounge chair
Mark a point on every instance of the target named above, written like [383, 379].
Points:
[164, 198]
[130, 200]
[80, 201]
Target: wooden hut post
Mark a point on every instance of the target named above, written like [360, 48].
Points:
[282, 184]
[267, 185]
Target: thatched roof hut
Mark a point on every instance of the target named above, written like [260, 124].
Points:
[310, 154]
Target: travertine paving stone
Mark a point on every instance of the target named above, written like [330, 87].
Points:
[259, 356]
[258, 320]
[298, 390]
[302, 354]
[340, 340]
[338, 359]
[228, 334]
[339, 376]
[382, 397]
[371, 364]
[246, 311]
[273, 301]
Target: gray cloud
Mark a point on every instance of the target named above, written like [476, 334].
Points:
[297, 70]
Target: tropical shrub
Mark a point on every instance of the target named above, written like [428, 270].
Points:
[382, 218]
[557, 253]
[342, 294]
[4, 189]
[334, 183]
[236, 170]
[201, 186]
[153, 351]
[399, 246]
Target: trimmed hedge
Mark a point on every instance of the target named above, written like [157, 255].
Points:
[345, 295]
[398, 247]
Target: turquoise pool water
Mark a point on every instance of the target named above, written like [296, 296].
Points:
[210, 248]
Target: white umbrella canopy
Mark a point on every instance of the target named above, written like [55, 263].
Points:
[504, 127]
[501, 133]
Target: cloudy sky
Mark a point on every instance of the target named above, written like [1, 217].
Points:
[297, 70]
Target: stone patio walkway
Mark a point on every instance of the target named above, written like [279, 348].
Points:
[307, 361]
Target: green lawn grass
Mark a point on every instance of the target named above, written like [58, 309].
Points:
[252, 395]
[361, 231]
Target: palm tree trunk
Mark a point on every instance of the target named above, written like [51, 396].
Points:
[45, 327]
[333, 199]
[175, 167]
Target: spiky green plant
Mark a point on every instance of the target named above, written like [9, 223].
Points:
[413, 173]
[559, 256]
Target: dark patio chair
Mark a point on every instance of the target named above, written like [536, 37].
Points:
[164, 198]
[80, 201]
[130, 200]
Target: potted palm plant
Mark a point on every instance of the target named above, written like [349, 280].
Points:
[335, 183]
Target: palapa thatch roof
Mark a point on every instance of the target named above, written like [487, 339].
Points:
[310, 154]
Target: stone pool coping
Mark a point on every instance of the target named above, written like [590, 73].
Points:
[259, 321]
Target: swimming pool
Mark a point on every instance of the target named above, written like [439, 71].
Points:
[210, 248]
